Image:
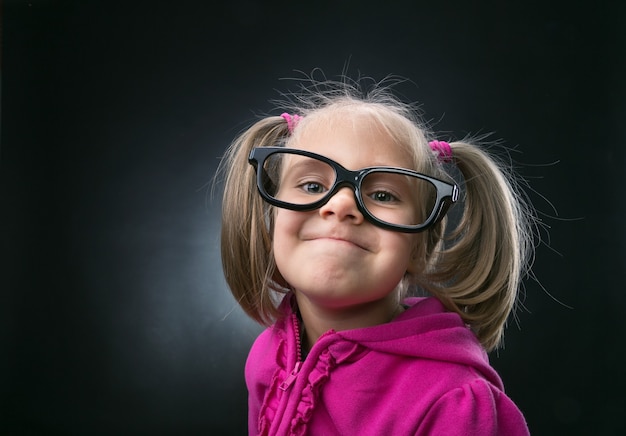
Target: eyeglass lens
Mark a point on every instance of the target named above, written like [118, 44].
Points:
[395, 198]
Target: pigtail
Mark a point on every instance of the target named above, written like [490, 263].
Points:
[247, 259]
[479, 269]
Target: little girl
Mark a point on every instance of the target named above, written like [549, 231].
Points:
[334, 215]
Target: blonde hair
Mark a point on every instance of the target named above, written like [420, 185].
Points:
[474, 268]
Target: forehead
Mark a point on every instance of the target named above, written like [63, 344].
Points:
[353, 139]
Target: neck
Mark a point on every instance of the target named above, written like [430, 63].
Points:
[318, 319]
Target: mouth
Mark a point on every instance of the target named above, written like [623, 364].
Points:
[353, 242]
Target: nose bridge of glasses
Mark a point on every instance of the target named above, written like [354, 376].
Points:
[342, 201]
[346, 179]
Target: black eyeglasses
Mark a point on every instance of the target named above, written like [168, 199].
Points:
[392, 198]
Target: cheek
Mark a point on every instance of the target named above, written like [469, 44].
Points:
[278, 230]
[286, 227]
[398, 249]
[417, 261]
[285, 223]
[279, 246]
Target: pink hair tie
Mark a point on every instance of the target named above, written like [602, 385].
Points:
[443, 149]
[292, 120]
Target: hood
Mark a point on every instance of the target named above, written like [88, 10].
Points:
[426, 330]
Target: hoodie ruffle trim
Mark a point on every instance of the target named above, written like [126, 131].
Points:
[325, 362]
[310, 394]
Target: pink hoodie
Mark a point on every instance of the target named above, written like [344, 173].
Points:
[424, 373]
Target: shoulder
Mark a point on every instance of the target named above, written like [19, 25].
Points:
[267, 340]
[273, 338]
[272, 343]
[269, 351]
[265, 347]
[475, 408]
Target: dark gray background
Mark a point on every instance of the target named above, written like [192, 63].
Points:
[114, 314]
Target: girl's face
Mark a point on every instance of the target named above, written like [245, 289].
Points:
[332, 256]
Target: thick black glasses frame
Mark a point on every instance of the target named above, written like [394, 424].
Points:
[447, 193]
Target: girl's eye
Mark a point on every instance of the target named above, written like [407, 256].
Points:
[313, 188]
[383, 197]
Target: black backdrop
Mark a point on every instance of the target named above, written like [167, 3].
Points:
[114, 314]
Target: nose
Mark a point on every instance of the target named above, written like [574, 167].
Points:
[342, 205]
